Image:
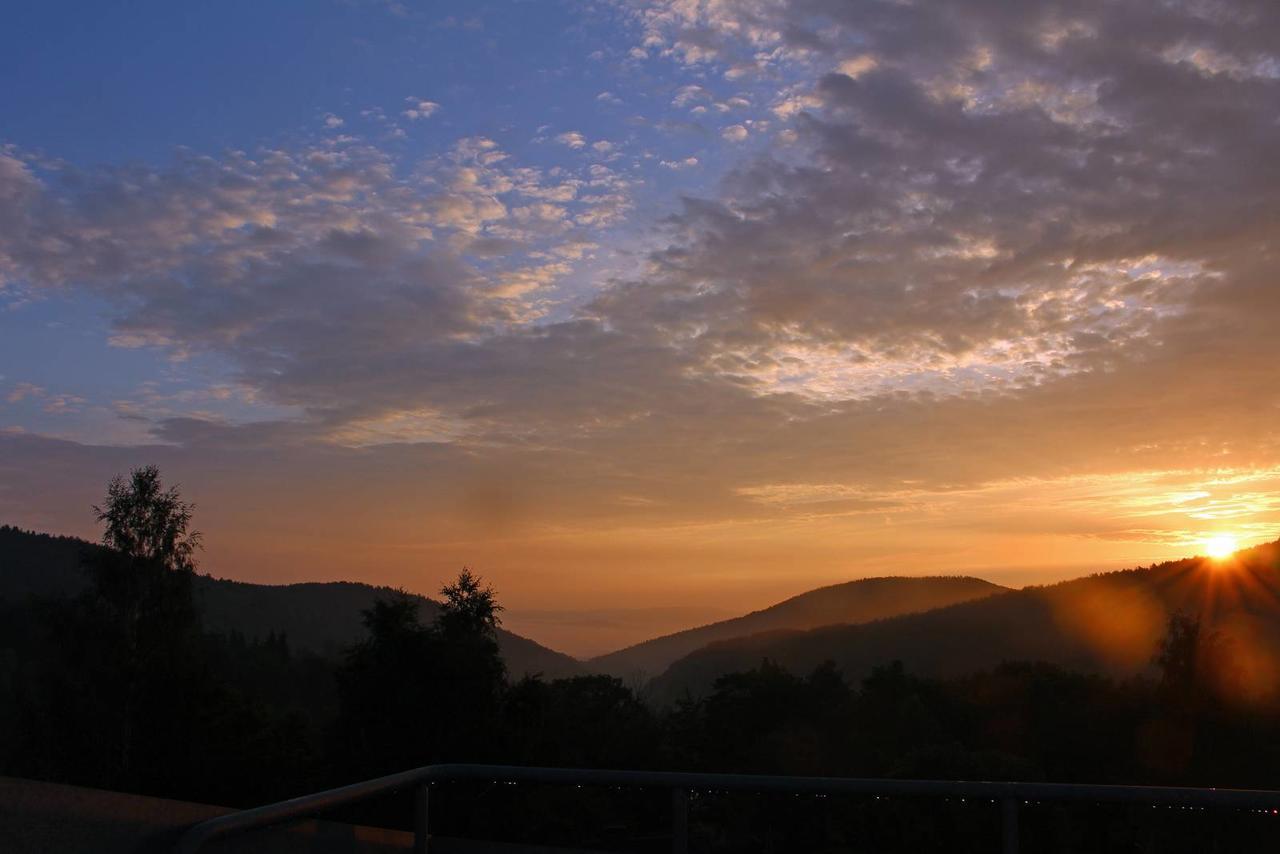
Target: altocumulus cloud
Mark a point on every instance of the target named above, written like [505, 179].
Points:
[997, 229]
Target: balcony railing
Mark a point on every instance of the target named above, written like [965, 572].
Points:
[419, 780]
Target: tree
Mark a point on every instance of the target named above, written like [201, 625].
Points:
[1197, 665]
[411, 694]
[471, 668]
[146, 522]
[387, 692]
[141, 582]
[580, 722]
[140, 610]
[128, 676]
[469, 610]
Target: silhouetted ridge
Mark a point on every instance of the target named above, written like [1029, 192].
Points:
[1105, 623]
[321, 617]
[850, 602]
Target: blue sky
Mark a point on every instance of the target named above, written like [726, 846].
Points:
[124, 82]
[120, 85]
[707, 300]
[115, 81]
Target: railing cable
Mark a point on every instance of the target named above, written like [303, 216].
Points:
[1010, 795]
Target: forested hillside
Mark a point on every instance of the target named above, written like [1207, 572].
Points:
[323, 618]
[852, 602]
[1109, 624]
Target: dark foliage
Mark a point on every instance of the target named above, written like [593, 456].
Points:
[582, 722]
[412, 694]
[321, 619]
[1108, 623]
[116, 686]
[119, 685]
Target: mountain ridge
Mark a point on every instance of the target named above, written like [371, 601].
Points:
[852, 601]
[319, 616]
[1106, 622]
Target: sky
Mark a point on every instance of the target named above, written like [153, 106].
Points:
[650, 311]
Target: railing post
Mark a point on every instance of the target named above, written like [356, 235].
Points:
[679, 821]
[1010, 822]
[421, 831]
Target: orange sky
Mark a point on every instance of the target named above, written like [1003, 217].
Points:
[588, 579]
[671, 311]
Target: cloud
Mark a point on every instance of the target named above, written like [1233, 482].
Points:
[734, 133]
[689, 95]
[573, 139]
[452, 22]
[49, 402]
[332, 121]
[933, 135]
[310, 266]
[1021, 245]
[858, 65]
[22, 391]
[419, 109]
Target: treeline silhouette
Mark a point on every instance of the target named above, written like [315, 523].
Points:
[120, 686]
[1106, 623]
[317, 617]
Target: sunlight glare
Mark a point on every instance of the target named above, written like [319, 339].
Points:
[1220, 546]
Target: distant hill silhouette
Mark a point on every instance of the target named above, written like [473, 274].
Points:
[1109, 623]
[319, 617]
[851, 602]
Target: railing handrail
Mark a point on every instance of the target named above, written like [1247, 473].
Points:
[308, 806]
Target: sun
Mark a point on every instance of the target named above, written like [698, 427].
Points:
[1220, 546]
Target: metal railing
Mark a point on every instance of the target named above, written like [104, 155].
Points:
[1010, 795]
